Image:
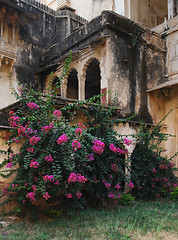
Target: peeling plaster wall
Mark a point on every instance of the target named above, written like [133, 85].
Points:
[6, 85]
[160, 103]
[135, 65]
[48, 28]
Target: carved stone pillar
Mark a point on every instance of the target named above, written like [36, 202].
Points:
[2, 31]
[64, 88]
[81, 88]
[13, 34]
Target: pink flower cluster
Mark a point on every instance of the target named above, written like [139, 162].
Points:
[32, 105]
[29, 130]
[78, 131]
[171, 165]
[50, 178]
[98, 146]
[90, 157]
[9, 165]
[127, 141]
[130, 184]
[107, 185]
[13, 120]
[16, 140]
[31, 196]
[34, 188]
[30, 149]
[46, 195]
[154, 170]
[114, 167]
[57, 113]
[22, 130]
[68, 195]
[5, 189]
[120, 151]
[76, 145]
[165, 179]
[81, 125]
[76, 178]
[49, 158]
[62, 139]
[34, 140]
[79, 194]
[162, 166]
[47, 128]
[118, 186]
[114, 149]
[111, 195]
[34, 164]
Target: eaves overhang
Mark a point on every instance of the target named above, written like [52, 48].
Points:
[167, 84]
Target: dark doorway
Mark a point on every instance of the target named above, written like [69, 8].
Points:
[93, 77]
[72, 85]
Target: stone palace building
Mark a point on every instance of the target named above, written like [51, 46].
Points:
[128, 48]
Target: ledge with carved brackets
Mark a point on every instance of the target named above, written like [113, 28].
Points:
[8, 54]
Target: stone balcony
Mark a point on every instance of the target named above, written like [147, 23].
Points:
[8, 53]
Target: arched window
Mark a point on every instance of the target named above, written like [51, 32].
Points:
[72, 84]
[93, 77]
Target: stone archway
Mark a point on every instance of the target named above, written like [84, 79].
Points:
[92, 78]
[72, 84]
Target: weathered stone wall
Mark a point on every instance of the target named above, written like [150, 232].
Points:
[48, 28]
[23, 41]
[129, 60]
[163, 95]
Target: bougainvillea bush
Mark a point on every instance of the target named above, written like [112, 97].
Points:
[59, 162]
[152, 172]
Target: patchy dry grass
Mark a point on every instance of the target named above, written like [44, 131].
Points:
[143, 221]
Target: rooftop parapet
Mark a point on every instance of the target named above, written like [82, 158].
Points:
[49, 10]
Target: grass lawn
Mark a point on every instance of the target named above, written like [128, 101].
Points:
[143, 221]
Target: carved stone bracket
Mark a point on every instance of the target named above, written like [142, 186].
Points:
[7, 61]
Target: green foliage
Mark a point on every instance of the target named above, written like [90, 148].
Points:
[126, 199]
[174, 194]
[152, 173]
